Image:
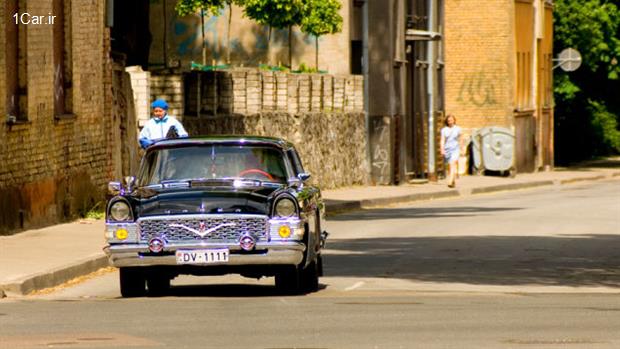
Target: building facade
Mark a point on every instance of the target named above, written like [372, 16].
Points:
[489, 63]
[498, 72]
[56, 152]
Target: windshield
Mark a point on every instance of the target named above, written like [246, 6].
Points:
[213, 162]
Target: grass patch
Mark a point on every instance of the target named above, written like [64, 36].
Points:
[97, 211]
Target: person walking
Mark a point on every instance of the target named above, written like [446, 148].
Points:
[161, 126]
[451, 144]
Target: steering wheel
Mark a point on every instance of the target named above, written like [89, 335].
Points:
[257, 171]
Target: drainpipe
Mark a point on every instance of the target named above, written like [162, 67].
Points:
[432, 9]
[365, 72]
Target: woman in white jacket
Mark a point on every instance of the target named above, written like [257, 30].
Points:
[160, 125]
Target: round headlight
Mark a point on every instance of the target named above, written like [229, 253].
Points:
[285, 208]
[120, 211]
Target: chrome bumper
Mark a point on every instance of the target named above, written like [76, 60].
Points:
[271, 253]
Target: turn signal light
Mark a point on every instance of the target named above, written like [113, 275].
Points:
[284, 231]
[121, 234]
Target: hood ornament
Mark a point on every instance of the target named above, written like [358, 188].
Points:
[202, 232]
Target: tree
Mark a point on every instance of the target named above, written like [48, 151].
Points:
[277, 14]
[213, 7]
[321, 17]
[587, 105]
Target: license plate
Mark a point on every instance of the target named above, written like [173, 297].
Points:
[202, 256]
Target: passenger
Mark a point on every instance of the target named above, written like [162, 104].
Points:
[160, 126]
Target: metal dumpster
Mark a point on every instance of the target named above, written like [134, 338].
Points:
[493, 149]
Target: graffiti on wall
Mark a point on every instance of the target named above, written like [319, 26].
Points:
[380, 150]
[478, 89]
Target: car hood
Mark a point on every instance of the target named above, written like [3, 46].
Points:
[204, 200]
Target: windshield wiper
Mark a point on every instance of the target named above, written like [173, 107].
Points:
[175, 183]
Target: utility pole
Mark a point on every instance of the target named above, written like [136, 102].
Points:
[431, 77]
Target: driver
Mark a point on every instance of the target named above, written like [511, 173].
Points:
[254, 168]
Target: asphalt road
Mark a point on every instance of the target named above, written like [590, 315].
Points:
[527, 269]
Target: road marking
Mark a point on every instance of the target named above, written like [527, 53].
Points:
[356, 285]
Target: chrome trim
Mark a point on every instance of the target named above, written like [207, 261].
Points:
[202, 215]
[109, 206]
[203, 233]
[197, 227]
[294, 223]
[279, 253]
[133, 234]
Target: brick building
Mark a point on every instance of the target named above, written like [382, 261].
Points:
[56, 83]
[498, 62]
[488, 62]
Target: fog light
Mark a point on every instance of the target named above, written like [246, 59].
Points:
[156, 245]
[121, 234]
[284, 231]
[247, 242]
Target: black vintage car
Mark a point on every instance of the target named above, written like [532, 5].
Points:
[212, 206]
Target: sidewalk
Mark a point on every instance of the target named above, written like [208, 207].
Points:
[50, 256]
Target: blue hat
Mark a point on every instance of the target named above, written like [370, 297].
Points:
[160, 103]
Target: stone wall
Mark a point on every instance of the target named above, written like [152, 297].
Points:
[321, 114]
[296, 107]
[55, 168]
[170, 88]
[141, 85]
[335, 155]
[250, 91]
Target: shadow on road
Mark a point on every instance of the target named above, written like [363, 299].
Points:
[591, 260]
[420, 212]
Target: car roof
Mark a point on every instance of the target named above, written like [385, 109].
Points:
[223, 139]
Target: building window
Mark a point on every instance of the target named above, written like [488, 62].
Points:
[15, 58]
[62, 58]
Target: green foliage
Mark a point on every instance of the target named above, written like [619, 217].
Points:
[591, 27]
[565, 88]
[267, 67]
[212, 7]
[303, 68]
[188, 7]
[96, 212]
[605, 126]
[587, 107]
[321, 17]
[274, 13]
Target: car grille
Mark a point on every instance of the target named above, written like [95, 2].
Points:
[176, 229]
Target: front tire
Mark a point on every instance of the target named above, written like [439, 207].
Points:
[287, 280]
[309, 278]
[132, 282]
[158, 285]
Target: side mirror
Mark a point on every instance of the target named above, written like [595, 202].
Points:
[114, 188]
[303, 176]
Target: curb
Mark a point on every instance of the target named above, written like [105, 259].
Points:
[334, 207]
[54, 277]
[511, 186]
[583, 179]
[408, 198]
